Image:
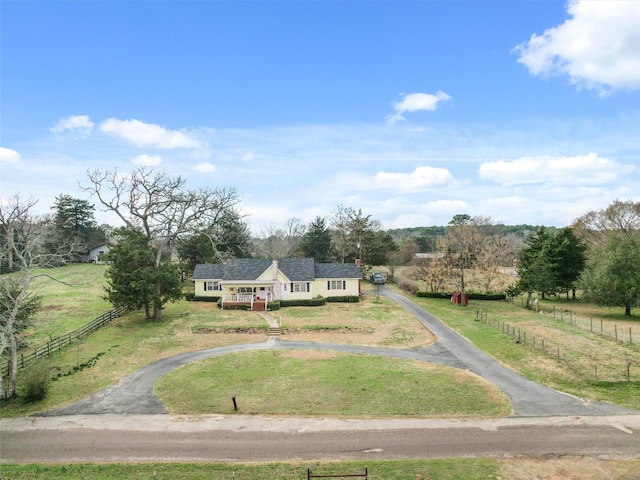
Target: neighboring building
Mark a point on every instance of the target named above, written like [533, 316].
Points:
[258, 281]
[96, 254]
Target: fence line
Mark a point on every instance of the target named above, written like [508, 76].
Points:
[613, 372]
[61, 341]
[593, 325]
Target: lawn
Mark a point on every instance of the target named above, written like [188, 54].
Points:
[71, 296]
[312, 383]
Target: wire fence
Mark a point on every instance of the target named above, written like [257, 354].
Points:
[622, 334]
[61, 341]
[586, 365]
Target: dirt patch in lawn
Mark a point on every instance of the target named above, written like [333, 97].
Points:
[373, 321]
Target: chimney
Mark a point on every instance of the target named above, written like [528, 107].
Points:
[275, 269]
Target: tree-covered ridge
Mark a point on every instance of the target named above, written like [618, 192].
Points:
[426, 238]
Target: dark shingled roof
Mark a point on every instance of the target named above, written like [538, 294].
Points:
[338, 270]
[295, 269]
[234, 269]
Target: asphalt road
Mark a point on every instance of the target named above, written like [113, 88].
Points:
[128, 422]
[120, 438]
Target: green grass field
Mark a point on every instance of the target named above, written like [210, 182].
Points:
[328, 384]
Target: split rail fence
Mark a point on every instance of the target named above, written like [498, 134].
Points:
[61, 341]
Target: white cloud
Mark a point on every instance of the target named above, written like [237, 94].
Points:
[204, 167]
[9, 156]
[147, 160]
[597, 48]
[147, 134]
[76, 123]
[413, 102]
[589, 169]
[420, 179]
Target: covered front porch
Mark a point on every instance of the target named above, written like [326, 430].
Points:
[255, 295]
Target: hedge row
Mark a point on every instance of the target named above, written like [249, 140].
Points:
[344, 299]
[311, 302]
[472, 296]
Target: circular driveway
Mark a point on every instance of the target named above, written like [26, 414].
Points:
[134, 394]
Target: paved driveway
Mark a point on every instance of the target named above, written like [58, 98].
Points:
[134, 393]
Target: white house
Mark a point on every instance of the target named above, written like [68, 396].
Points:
[96, 254]
[258, 281]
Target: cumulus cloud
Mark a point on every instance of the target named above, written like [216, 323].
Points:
[147, 134]
[413, 102]
[420, 179]
[147, 160]
[589, 169]
[9, 156]
[204, 167]
[597, 47]
[75, 124]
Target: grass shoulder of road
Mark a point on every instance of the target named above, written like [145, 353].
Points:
[325, 383]
[580, 350]
[432, 469]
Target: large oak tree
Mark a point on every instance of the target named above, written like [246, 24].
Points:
[162, 209]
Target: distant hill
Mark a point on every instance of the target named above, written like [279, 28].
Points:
[427, 237]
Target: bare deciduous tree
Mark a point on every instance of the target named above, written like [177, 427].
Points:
[160, 206]
[277, 242]
[433, 270]
[21, 241]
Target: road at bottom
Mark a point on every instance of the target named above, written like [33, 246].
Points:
[111, 445]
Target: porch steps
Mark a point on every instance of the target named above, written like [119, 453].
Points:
[273, 331]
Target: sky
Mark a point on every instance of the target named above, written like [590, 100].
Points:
[527, 112]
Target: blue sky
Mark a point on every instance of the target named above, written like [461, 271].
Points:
[413, 111]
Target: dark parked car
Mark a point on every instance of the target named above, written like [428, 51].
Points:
[377, 278]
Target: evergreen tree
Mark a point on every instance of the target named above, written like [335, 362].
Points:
[316, 243]
[133, 280]
[74, 224]
[570, 260]
[536, 267]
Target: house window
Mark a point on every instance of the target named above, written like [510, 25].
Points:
[337, 285]
[300, 287]
[245, 290]
[209, 286]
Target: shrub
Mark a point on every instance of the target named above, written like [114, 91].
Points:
[189, 296]
[309, 302]
[36, 383]
[273, 305]
[408, 286]
[204, 299]
[344, 299]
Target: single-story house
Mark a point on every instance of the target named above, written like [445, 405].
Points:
[258, 281]
[96, 254]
